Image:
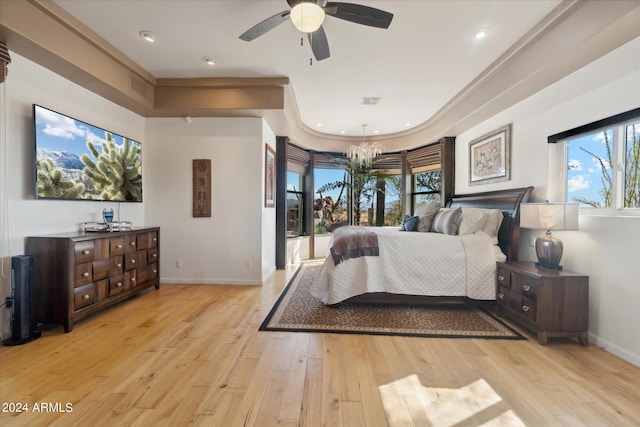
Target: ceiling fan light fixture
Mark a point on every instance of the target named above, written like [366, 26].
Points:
[307, 17]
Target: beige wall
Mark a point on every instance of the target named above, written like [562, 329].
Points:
[607, 247]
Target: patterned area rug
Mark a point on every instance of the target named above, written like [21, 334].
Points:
[298, 311]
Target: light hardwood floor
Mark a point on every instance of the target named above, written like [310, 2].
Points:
[192, 355]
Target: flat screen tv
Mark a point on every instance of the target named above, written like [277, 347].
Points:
[79, 161]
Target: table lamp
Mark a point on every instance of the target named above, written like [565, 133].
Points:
[549, 216]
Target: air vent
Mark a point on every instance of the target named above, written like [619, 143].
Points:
[370, 100]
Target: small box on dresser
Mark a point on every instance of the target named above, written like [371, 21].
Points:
[79, 274]
[551, 303]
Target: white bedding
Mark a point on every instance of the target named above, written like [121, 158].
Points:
[415, 263]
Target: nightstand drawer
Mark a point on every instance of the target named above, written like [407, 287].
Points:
[528, 308]
[524, 285]
[503, 295]
[504, 277]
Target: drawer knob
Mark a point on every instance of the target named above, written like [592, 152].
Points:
[133, 243]
[133, 279]
[119, 284]
[133, 261]
[501, 278]
[119, 246]
[118, 265]
[525, 308]
[155, 271]
[526, 287]
[85, 296]
[155, 255]
[85, 274]
[86, 252]
[155, 239]
[501, 296]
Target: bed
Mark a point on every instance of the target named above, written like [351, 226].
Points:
[385, 265]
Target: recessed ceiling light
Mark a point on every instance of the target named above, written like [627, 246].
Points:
[407, 124]
[209, 61]
[148, 36]
[319, 124]
[376, 131]
[342, 132]
[482, 33]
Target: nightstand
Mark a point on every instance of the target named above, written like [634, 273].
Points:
[551, 303]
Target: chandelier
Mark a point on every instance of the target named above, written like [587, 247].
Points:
[364, 153]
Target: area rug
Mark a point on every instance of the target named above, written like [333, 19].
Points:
[298, 311]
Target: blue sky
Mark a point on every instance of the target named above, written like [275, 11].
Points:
[585, 172]
[61, 133]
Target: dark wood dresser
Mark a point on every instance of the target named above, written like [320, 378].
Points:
[551, 303]
[78, 274]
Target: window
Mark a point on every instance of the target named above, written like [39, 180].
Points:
[386, 204]
[603, 166]
[426, 186]
[295, 205]
[425, 164]
[330, 199]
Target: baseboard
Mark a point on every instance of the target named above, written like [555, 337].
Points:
[178, 281]
[614, 349]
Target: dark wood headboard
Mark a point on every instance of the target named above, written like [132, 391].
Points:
[508, 201]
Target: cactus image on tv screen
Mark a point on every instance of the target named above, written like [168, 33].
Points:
[79, 161]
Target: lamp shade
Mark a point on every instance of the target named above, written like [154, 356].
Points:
[549, 216]
[307, 17]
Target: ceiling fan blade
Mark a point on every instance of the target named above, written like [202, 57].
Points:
[319, 44]
[359, 14]
[264, 26]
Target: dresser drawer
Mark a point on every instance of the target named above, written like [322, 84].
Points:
[116, 285]
[84, 296]
[152, 255]
[84, 252]
[153, 239]
[131, 278]
[83, 274]
[131, 243]
[117, 245]
[100, 269]
[130, 261]
[116, 265]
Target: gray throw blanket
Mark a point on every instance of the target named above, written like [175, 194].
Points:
[352, 242]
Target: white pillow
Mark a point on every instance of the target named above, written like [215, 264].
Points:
[486, 220]
[472, 220]
[426, 212]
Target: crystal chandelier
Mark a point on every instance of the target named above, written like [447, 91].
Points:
[364, 153]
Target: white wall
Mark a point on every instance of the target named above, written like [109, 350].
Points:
[21, 214]
[607, 248]
[236, 245]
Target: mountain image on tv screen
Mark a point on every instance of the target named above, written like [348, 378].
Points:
[76, 160]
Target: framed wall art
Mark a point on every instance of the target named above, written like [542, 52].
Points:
[489, 157]
[269, 177]
[201, 188]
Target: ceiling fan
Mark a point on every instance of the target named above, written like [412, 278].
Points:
[308, 15]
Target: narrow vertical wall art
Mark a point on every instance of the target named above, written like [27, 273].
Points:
[269, 177]
[201, 188]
